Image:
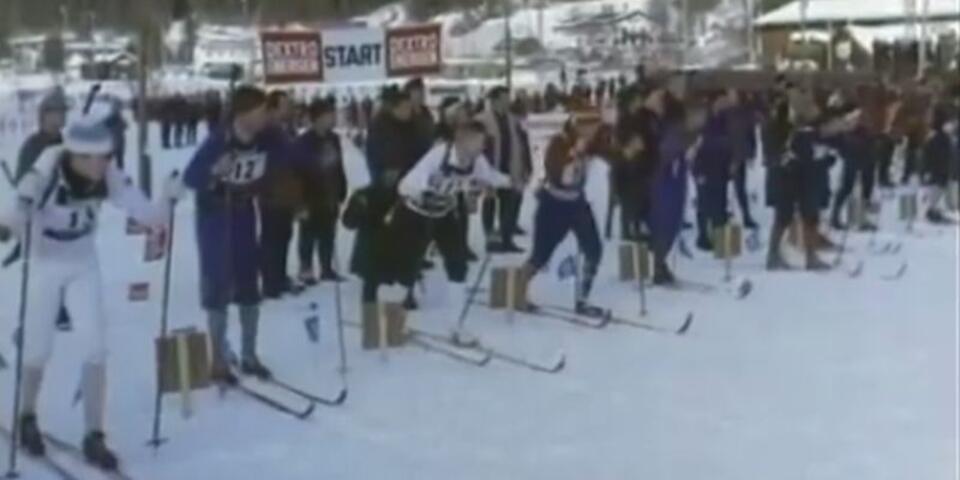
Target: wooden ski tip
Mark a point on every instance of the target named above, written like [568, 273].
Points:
[561, 364]
[899, 273]
[686, 325]
[342, 398]
[857, 271]
[308, 412]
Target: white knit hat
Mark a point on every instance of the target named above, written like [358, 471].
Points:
[88, 135]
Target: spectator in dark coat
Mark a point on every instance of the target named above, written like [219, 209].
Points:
[52, 116]
[281, 197]
[390, 153]
[324, 194]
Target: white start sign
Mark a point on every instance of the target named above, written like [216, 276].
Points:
[353, 54]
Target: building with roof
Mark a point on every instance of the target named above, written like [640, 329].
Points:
[846, 29]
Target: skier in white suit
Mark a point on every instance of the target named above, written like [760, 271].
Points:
[61, 198]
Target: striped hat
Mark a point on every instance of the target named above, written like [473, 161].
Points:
[88, 135]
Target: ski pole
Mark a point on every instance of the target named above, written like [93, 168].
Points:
[473, 292]
[155, 440]
[642, 279]
[18, 379]
[339, 307]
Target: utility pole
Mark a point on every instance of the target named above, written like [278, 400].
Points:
[145, 172]
[508, 42]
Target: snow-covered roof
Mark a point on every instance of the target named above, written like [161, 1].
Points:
[524, 23]
[857, 11]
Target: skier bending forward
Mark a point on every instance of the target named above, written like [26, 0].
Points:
[61, 198]
[428, 210]
[563, 207]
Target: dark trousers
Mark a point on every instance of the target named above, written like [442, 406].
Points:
[463, 217]
[711, 205]
[885, 147]
[415, 232]
[508, 213]
[911, 164]
[740, 189]
[178, 130]
[318, 234]
[276, 231]
[852, 169]
[555, 219]
[165, 130]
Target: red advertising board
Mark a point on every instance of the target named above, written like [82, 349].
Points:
[291, 57]
[414, 50]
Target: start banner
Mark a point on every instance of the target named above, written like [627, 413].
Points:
[353, 54]
[291, 57]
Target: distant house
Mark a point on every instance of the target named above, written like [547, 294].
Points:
[847, 33]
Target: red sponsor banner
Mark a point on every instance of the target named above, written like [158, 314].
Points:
[414, 50]
[291, 57]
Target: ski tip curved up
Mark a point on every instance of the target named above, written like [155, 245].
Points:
[687, 323]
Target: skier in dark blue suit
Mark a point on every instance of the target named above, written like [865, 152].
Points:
[226, 173]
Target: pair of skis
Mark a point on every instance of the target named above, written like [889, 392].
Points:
[285, 408]
[60, 468]
[487, 354]
[607, 317]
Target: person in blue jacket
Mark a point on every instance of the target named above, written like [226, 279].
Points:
[227, 173]
[711, 169]
[682, 124]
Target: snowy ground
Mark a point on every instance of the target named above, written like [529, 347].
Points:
[815, 377]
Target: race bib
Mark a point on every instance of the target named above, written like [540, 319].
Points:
[248, 167]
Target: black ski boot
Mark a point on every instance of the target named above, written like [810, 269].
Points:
[704, 244]
[815, 264]
[31, 438]
[223, 376]
[663, 276]
[253, 368]
[329, 275]
[592, 311]
[410, 302]
[936, 217]
[96, 451]
[835, 222]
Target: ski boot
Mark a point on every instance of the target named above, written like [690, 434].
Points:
[704, 244]
[463, 338]
[591, 311]
[815, 264]
[252, 367]
[31, 438]
[329, 275]
[410, 302]
[937, 217]
[307, 278]
[663, 276]
[867, 227]
[223, 376]
[97, 454]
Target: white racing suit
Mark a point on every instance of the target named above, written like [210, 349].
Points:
[65, 269]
